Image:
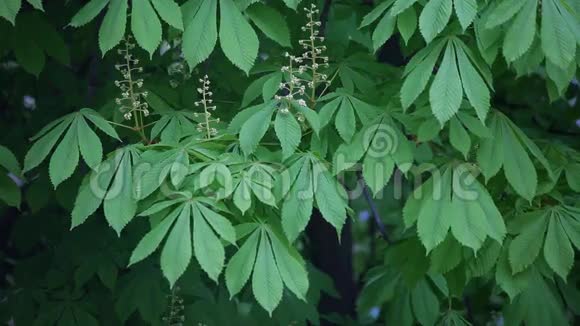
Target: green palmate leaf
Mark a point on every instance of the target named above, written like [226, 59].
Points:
[453, 199]
[41, 148]
[466, 11]
[66, 156]
[219, 224]
[169, 11]
[520, 35]
[297, 206]
[407, 24]
[558, 42]
[401, 5]
[270, 22]
[434, 18]
[267, 284]
[237, 38]
[93, 189]
[446, 93]
[176, 252]
[100, 122]
[9, 9]
[526, 246]
[88, 12]
[418, 73]
[432, 221]
[242, 197]
[152, 240]
[374, 14]
[345, 121]
[558, 251]
[518, 167]
[113, 27]
[291, 270]
[37, 4]
[208, 249]
[377, 171]
[200, 34]
[89, 144]
[474, 86]
[459, 137]
[9, 161]
[502, 12]
[145, 25]
[383, 31]
[288, 132]
[241, 265]
[271, 86]
[120, 205]
[254, 129]
[328, 198]
[511, 283]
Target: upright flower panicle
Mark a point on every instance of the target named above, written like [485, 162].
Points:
[132, 101]
[313, 55]
[206, 102]
[309, 63]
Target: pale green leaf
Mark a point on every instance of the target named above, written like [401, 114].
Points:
[407, 24]
[200, 34]
[288, 132]
[208, 248]
[270, 22]
[221, 225]
[145, 25]
[375, 13]
[291, 270]
[446, 92]
[518, 167]
[297, 206]
[89, 144]
[383, 31]
[254, 129]
[176, 253]
[37, 4]
[241, 264]
[267, 284]
[459, 137]
[558, 251]
[417, 79]
[88, 12]
[434, 18]
[475, 88]
[153, 238]
[345, 122]
[520, 35]
[66, 156]
[237, 38]
[401, 5]
[169, 11]
[526, 246]
[119, 205]
[503, 12]
[9, 9]
[558, 40]
[466, 11]
[113, 27]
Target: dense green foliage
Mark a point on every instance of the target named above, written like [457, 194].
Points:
[164, 161]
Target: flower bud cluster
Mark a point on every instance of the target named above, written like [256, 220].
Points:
[132, 98]
[206, 102]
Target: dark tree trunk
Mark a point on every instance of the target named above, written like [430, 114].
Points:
[335, 259]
